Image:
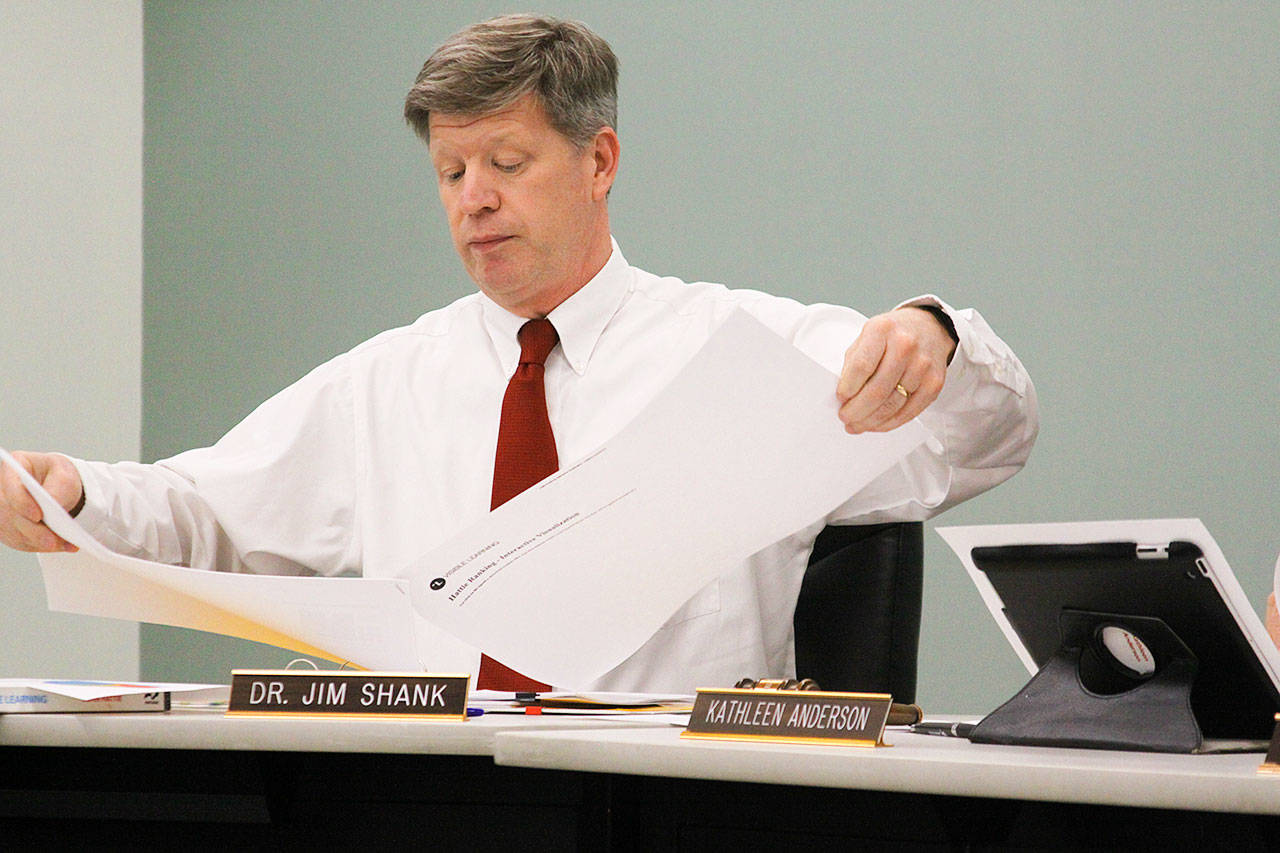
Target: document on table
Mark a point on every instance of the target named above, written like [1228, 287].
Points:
[743, 448]
[368, 622]
[87, 691]
[566, 580]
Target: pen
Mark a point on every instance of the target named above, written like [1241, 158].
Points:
[935, 727]
[475, 712]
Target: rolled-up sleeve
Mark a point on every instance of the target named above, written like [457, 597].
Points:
[982, 428]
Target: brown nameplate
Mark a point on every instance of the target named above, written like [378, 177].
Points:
[334, 693]
[790, 716]
[1271, 764]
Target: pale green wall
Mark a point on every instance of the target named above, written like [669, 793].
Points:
[1100, 179]
[70, 286]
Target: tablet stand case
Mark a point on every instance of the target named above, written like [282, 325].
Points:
[1082, 697]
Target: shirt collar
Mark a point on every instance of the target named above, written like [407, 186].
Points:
[579, 320]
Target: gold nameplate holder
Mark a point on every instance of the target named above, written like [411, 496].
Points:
[338, 693]
[789, 711]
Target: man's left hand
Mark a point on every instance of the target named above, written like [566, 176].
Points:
[894, 370]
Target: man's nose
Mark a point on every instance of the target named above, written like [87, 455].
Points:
[478, 193]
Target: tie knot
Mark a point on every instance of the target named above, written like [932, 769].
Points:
[537, 338]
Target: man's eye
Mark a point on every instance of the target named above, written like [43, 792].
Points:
[507, 167]
[451, 176]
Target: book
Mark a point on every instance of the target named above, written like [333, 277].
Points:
[47, 695]
[21, 698]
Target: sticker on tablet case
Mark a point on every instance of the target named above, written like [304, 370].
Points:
[1128, 648]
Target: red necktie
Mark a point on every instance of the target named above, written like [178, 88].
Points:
[526, 454]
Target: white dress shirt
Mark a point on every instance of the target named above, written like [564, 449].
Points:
[382, 453]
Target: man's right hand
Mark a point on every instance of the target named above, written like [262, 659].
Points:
[21, 519]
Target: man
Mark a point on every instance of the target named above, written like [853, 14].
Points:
[382, 453]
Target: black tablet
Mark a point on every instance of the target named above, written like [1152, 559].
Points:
[1168, 570]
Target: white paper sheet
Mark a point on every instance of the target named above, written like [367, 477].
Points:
[367, 622]
[743, 448]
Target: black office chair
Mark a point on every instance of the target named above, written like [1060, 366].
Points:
[857, 620]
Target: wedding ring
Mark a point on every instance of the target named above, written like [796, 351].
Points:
[903, 391]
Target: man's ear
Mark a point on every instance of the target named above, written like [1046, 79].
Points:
[605, 150]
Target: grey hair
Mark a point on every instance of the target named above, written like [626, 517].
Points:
[489, 66]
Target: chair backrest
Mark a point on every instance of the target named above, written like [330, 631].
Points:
[857, 620]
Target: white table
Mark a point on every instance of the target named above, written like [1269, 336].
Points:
[201, 729]
[197, 778]
[920, 764]
[923, 792]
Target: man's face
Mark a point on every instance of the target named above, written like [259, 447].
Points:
[525, 207]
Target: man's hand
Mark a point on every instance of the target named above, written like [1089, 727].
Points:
[21, 519]
[894, 370]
